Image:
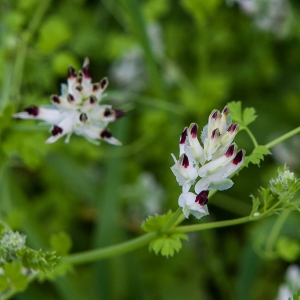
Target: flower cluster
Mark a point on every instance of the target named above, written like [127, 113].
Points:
[213, 163]
[77, 109]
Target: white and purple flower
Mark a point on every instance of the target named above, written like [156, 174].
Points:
[213, 162]
[77, 110]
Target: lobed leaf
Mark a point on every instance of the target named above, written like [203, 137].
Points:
[257, 155]
[155, 223]
[167, 244]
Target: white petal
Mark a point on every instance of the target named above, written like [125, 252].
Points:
[49, 115]
[202, 185]
[221, 185]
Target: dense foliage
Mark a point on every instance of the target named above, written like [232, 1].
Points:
[169, 63]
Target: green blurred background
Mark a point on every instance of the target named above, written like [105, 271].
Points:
[169, 64]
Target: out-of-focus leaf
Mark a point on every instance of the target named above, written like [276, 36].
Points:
[61, 243]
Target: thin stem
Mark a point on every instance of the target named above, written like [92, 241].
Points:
[251, 136]
[198, 227]
[172, 221]
[283, 137]
[22, 48]
[276, 230]
[98, 254]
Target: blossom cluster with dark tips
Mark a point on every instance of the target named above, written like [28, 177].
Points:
[213, 162]
[77, 110]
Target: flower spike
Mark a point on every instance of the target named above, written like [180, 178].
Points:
[213, 163]
[77, 110]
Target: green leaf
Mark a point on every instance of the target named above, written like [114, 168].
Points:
[61, 243]
[245, 117]
[14, 272]
[257, 155]
[3, 283]
[288, 249]
[166, 244]
[155, 223]
[255, 205]
[54, 33]
[296, 296]
[249, 116]
[235, 108]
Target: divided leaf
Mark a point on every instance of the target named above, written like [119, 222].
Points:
[155, 223]
[249, 116]
[167, 244]
[244, 118]
[257, 155]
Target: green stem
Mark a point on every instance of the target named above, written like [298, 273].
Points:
[251, 136]
[283, 137]
[276, 230]
[98, 254]
[199, 227]
[22, 48]
[172, 221]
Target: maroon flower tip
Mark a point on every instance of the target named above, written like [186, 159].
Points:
[83, 117]
[107, 112]
[215, 115]
[225, 110]
[70, 98]
[71, 72]
[79, 80]
[95, 87]
[233, 127]
[92, 100]
[32, 110]
[230, 151]
[120, 113]
[80, 74]
[79, 88]
[194, 131]
[238, 158]
[103, 83]
[55, 99]
[105, 134]
[215, 133]
[183, 136]
[185, 161]
[56, 130]
[202, 197]
[86, 68]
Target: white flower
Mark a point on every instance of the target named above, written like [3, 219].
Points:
[213, 163]
[77, 109]
[194, 204]
[185, 173]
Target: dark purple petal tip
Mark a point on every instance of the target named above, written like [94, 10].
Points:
[185, 161]
[183, 136]
[93, 100]
[70, 98]
[233, 127]
[215, 133]
[215, 115]
[238, 158]
[56, 130]
[32, 110]
[103, 83]
[202, 197]
[83, 117]
[71, 72]
[120, 113]
[86, 68]
[107, 112]
[225, 110]
[230, 151]
[194, 130]
[105, 134]
[55, 99]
